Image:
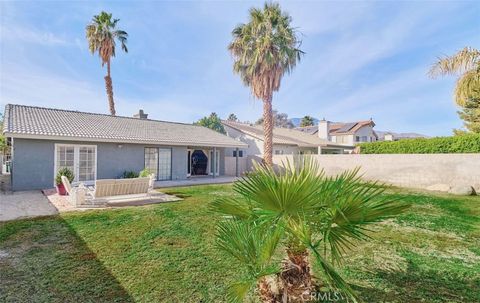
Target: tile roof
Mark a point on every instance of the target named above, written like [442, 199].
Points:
[48, 123]
[338, 128]
[281, 136]
[348, 128]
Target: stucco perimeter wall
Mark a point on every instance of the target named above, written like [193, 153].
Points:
[230, 166]
[407, 170]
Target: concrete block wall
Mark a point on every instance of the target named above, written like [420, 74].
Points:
[410, 170]
[406, 170]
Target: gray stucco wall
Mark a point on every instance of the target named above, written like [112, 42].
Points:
[33, 161]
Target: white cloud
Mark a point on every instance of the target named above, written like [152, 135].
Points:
[19, 34]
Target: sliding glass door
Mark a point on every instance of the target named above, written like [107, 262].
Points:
[151, 160]
[159, 162]
[217, 163]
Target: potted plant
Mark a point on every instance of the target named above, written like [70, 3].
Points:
[58, 180]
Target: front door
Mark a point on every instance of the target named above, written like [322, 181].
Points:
[80, 159]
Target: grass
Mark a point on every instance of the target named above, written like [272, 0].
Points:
[166, 253]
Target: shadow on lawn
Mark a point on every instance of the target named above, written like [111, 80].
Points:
[418, 285]
[44, 260]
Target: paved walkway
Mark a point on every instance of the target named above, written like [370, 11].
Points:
[195, 181]
[25, 204]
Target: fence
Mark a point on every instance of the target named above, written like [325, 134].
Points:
[408, 170]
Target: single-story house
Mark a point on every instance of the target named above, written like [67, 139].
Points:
[348, 133]
[285, 141]
[98, 146]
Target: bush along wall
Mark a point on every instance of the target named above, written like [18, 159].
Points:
[439, 145]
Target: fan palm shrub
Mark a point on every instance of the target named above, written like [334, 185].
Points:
[281, 221]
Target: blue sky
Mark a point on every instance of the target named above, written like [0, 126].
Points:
[363, 59]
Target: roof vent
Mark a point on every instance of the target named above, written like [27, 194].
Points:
[141, 115]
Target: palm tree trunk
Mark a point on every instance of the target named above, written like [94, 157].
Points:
[268, 131]
[109, 87]
[266, 293]
[296, 277]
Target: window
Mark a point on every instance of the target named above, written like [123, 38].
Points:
[65, 157]
[86, 167]
[240, 153]
[341, 139]
[151, 160]
[364, 139]
[278, 152]
[80, 159]
[357, 138]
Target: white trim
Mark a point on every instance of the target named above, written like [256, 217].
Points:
[125, 141]
[76, 157]
[217, 158]
[189, 161]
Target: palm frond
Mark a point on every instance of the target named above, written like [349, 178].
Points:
[467, 86]
[101, 34]
[351, 204]
[253, 247]
[304, 233]
[235, 207]
[238, 291]
[264, 49]
[465, 60]
[333, 278]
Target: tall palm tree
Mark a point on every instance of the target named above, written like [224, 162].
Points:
[466, 64]
[264, 49]
[302, 215]
[101, 35]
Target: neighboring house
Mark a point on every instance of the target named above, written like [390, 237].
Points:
[285, 141]
[103, 146]
[349, 133]
[391, 136]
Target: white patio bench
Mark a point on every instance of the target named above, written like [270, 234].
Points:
[110, 191]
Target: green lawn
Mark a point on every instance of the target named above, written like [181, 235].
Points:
[166, 253]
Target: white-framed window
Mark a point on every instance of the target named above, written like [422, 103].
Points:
[278, 152]
[80, 159]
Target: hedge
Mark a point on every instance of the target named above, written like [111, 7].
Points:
[438, 145]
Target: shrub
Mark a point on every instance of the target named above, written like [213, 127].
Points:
[145, 173]
[129, 174]
[439, 145]
[64, 172]
[302, 215]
